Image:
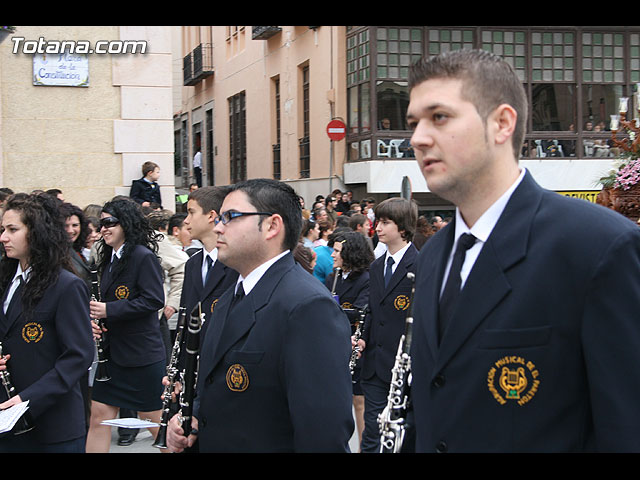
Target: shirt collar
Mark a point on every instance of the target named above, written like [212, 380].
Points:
[25, 274]
[213, 254]
[398, 255]
[117, 253]
[254, 277]
[487, 221]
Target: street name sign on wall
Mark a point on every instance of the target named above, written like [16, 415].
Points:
[61, 69]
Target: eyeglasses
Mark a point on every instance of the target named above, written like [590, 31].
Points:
[108, 222]
[226, 217]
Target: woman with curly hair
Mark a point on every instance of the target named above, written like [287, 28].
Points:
[45, 330]
[131, 287]
[353, 255]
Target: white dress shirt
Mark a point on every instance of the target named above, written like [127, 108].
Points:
[481, 230]
[15, 283]
[256, 274]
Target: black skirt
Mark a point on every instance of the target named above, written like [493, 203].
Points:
[134, 388]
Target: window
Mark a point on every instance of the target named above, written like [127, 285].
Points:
[276, 147]
[573, 76]
[237, 138]
[304, 143]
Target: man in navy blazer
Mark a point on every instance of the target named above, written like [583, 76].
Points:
[274, 367]
[541, 348]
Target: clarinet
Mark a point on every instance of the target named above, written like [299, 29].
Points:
[392, 420]
[190, 373]
[102, 375]
[356, 336]
[172, 374]
[25, 423]
[336, 274]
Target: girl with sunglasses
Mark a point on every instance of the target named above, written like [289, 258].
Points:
[45, 331]
[131, 287]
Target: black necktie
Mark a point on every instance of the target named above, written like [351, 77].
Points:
[452, 288]
[209, 269]
[238, 296]
[388, 271]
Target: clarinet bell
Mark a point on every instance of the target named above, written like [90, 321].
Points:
[101, 372]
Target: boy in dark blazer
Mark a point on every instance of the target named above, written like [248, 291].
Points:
[199, 285]
[146, 190]
[528, 341]
[389, 293]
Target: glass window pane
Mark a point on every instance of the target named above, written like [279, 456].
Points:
[553, 107]
[393, 100]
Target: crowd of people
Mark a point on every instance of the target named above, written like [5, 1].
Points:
[522, 305]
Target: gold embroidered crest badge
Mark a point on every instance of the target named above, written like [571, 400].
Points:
[237, 378]
[32, 332]
[213, 304]
[401, 302]
[346, 306]
[122, 292]
[512, 378]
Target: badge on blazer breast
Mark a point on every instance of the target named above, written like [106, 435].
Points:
[122, 292]
[213, 304]
[513, 379]
[401, 302]
[237, 378]
[32, 332]
[346, 305]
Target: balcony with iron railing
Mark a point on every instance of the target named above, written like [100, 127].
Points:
[198, 64]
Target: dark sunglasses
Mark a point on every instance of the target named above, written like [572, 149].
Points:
[109, 222]
[226, 217]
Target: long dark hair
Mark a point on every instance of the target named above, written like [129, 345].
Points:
[68, 210]
[137, 231]
[48, 246]
[356, 253]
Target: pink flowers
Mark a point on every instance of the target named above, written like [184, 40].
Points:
[628, 175]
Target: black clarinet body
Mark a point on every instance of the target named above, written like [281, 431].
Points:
[25, 423]
[362, 313]
[393, 419]
[190, 373]
[170, 407]
[102, 374]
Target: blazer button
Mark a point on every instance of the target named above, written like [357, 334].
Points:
[438, 381]
[441, 447]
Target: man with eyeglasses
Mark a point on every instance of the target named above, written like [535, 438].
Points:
[273, 373]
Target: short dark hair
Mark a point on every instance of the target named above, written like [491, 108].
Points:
[148, 167]
[210, 197]
[176, 220]
[268, 195]
[488, 82]
[357, 219]
[403, 212]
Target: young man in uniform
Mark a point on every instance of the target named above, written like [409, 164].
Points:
[274, 366]
[529, 340]
[389, 292]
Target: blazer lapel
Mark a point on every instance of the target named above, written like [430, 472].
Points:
[14, 310]
[487, 284]
[227, 327]
[401, 270]
[216, 276]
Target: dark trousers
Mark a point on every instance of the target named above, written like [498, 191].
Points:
[376, 392]
[197, 171]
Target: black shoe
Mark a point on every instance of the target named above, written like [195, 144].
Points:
[127, 438]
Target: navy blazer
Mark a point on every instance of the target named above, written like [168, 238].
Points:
[193, 291]
[142, 191]
[274, 373]
[385, 323]
[50, 353]
[542, 352]
[133, 298]
[352, 292]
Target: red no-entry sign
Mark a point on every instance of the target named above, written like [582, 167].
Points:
[336, 130]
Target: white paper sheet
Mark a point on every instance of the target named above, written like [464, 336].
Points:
[11, 415]
[130, 423]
